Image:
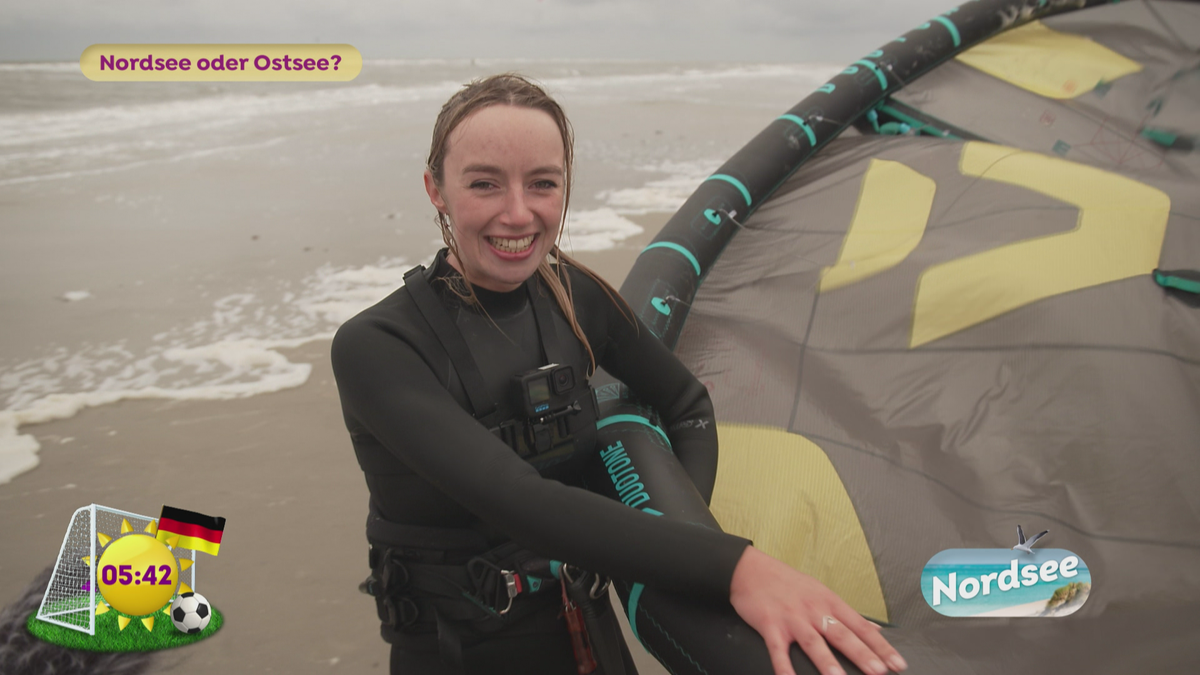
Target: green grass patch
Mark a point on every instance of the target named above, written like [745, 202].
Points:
[109, 638]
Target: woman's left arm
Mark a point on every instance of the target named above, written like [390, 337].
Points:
[782, 604]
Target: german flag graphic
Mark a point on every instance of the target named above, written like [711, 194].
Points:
[194, 530]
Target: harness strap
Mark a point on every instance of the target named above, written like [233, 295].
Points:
[449, 643]
[451, 338]
[447, 332]
[446, 587]
[544, 318]
[590, 593]
[430, 544]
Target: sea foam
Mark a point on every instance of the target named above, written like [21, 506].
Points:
[231, 353]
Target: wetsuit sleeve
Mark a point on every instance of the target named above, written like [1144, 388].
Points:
[390, 390]
[657, 377]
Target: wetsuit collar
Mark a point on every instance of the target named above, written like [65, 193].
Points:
[497, 304]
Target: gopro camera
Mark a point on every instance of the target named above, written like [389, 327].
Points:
[546, 390]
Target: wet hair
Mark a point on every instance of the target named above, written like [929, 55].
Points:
[516, 90]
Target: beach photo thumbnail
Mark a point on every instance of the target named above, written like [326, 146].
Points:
[1001, 582]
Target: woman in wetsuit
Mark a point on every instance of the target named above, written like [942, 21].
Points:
[427, 388]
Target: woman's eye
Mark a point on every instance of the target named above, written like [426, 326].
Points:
[481, 185]
[545, 185]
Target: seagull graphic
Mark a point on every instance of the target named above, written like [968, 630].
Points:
[1027, 546]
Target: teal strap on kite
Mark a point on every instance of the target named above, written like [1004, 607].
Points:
[873, 118]
[734, 182]
[1187, 280]
[617, 419]
[878, 73]
[635, 594]
[914, 123]
[679, 249]
[950, 27]
[812, 137]
[1159, 136]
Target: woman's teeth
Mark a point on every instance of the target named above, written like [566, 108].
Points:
[511, 245]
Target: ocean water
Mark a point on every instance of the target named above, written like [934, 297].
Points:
[167, 240]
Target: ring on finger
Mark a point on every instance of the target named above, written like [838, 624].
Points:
[827, 621]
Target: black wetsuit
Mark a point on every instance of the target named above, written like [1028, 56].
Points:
[429, 463]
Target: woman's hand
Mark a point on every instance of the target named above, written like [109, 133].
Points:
[787, 606]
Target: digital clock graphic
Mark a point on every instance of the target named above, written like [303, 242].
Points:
[111, 591]
[137, 574]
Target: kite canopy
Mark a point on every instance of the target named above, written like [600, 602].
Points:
[954, 291]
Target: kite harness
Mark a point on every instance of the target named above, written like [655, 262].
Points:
[446, 588]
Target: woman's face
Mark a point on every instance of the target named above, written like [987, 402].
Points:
[502, 188]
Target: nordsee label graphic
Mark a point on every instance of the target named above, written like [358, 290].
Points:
[992, 582]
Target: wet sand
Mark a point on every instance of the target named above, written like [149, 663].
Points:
[279, 467]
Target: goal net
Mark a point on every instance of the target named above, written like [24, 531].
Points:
[72, 595]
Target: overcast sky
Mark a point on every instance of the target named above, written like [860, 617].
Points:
[714, 30]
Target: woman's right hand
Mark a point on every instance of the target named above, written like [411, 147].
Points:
[787, 606]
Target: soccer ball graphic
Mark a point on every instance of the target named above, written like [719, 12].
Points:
[190, 613]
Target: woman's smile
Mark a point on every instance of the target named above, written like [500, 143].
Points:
[509, 247]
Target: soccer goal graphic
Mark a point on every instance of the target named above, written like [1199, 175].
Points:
[71, 597]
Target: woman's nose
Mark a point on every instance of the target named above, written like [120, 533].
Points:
[516, 208]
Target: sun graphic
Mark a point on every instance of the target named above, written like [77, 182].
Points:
[138, 575]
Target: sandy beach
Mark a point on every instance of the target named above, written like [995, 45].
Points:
[1035, 609]
[1027, 609]
[280, 468]
[188, 251]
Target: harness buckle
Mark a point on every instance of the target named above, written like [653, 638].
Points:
[512, 584]
[401, 611]
[494, 585]
[395, 575]
[599, 587]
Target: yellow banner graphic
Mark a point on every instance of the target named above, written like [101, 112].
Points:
[220, 63]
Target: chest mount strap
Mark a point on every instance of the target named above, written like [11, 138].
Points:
[546, 431]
